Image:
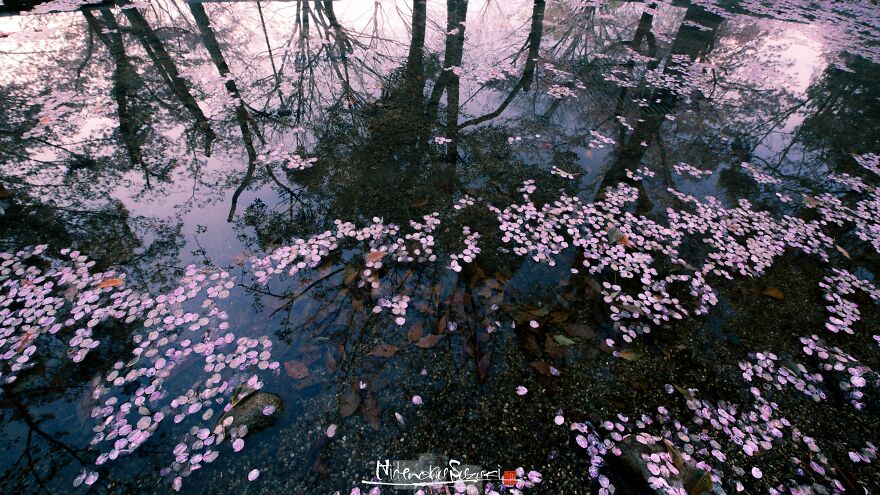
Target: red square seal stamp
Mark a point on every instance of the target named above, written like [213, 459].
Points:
[509, 478]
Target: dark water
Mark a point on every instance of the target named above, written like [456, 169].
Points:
[153, 136]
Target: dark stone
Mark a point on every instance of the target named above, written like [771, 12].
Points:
[249, 411]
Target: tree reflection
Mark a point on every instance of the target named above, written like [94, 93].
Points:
[181, 92]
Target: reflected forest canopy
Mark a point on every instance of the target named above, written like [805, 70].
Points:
[574, 246]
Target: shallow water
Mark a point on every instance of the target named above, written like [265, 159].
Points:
[618, 205]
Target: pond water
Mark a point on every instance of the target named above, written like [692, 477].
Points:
[259, 247]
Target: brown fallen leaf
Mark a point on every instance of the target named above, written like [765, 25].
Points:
[849, 481]
[483, 366]
[110, 282]
[563, 340]
[685, 392]
[541, 367]
[384, 350]
[349, 275]
[560, 315]
[675, 454]
[331, 362]
[696, 481]
[296, 369]
[420, 203]
[441, 324]
[428, 341]
[774, 293]
[372, 411]
[553, 348]
[629, 355]
[811, 201]
[843, 252]
[350, 400]
[580, 330]
[70, 293]
[309, 382]
[415, 332]
[615, 236]
[631, 308]
[375, 256]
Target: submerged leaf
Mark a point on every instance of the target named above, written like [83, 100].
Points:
[685, 392]
[675, 454]
[629, 355]
[372, 411]
[483, 366]
[580, 330]
[696, 481]
[384, 350]
[811, 201]
[350, 400]
[296, 369]
[428, 341]
[563, 340]
[110, 282]
[542, 368]
[774, 293]
[415, 332]
[375, 256]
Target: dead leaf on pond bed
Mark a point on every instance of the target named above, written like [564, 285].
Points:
[631, 308]
[309, 382]
[428, 341]
[563, 340]
[552, 348]
[375, 256]
[696, 481]
[685, 392]
[560, 315]
[420, 202]
[372, 411]
[843, 252]
[441, 324]
[296, 369]
[811, 201]
[849, 481]
[415, 332]
[331, 362]
[384, 350]
[349, 275]
[615, 236]
[110, 282]
[774, 293]
[629, 355]
[675, 454]
[483, 366]
[580, 330]
[350, 400]
[70, 293]
[541, 367]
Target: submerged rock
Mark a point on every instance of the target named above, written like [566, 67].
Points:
[641, 464]
[251, 411]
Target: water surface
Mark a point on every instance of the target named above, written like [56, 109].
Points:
[524, 138]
